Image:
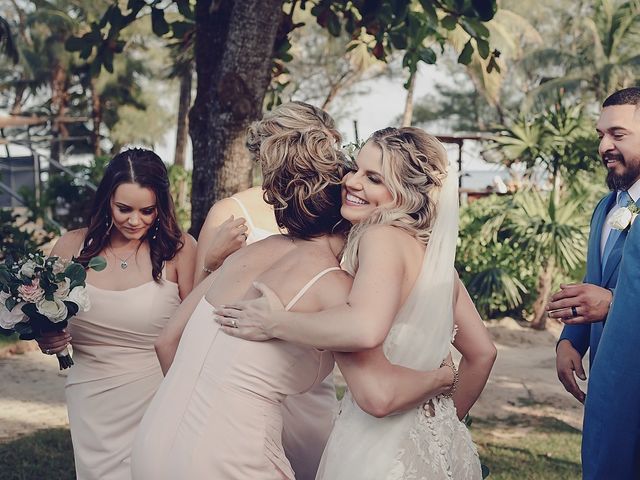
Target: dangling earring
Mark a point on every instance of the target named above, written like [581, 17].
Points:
[155, 229]
[108, 224]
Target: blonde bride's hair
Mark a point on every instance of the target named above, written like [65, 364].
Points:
[414, 167]
[298, 149]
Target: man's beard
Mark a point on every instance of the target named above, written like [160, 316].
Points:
[626, 179]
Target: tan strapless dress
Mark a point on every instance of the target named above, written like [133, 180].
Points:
[116, 374]
[218, 414]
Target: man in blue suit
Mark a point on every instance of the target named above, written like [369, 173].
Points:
[611, 434]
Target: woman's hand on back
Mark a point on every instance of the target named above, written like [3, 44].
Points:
[250, 319]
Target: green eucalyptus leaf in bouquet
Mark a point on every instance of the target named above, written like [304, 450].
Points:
[77, 274]
[97, 264]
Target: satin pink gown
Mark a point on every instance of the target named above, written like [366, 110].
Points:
[218, 414]
[116, 374]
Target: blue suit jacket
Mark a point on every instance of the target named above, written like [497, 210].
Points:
[584, 337]
[611, 435]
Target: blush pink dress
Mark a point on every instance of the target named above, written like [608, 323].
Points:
[116, 374]
[308, 417]
[218, 414]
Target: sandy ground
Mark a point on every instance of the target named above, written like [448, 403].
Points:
[523, 382]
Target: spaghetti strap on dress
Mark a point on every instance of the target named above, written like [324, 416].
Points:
[255, 233]
[218, 414]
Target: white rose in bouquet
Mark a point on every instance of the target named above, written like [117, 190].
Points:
[621, 218]
[55, 310]
[8, 319]
[63, 289]
[3, 296]
[80, 297]
[59, 266]
[28, 269]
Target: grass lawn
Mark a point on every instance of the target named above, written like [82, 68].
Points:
[46, 454]
[519, 448]
[4, 340]
[528, 448]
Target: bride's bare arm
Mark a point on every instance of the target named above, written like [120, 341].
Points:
[360, 324]
[167, 342]
[381, 388]
[478, 352]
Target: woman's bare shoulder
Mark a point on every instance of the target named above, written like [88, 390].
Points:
[69, 244]
[386, 240]
[385, 233]
[188, 251]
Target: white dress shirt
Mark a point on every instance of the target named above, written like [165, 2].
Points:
[634, 193]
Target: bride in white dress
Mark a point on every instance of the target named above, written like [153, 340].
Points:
[406, 300]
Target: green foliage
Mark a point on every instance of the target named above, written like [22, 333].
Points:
[382, 26]
[594, 53]
[505, 239]
[559, 139]
[498, 276]
[71, 197]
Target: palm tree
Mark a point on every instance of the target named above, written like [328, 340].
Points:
[554, 143]
[600, 53]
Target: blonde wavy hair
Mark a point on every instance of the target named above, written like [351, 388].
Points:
[414, 167]
[298, 149]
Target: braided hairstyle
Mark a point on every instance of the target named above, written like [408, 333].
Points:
[414, 167]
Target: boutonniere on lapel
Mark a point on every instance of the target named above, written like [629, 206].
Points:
[624, 217]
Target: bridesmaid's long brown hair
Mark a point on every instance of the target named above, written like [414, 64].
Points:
[145, 168]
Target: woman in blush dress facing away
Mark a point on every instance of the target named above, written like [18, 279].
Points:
[218, 413]
[405, 305]
[232, 223]
[150, 265]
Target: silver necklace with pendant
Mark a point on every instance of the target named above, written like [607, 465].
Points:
[124, 262]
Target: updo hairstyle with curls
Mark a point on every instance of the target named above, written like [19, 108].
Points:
[414, 167]
[298, 149]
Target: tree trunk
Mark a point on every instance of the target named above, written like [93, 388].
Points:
[233, 51]
[16, 107]
[407, 116]
[184, 104]
[545, 282]
[58, 110]
[96, 117]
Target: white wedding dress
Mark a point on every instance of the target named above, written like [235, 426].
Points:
[427, 442]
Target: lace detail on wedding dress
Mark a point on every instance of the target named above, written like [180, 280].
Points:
[437, 447]
[455, 331]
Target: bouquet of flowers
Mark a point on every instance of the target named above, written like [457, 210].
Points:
[40, 294]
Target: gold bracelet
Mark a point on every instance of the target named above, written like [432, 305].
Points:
[456, 377]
